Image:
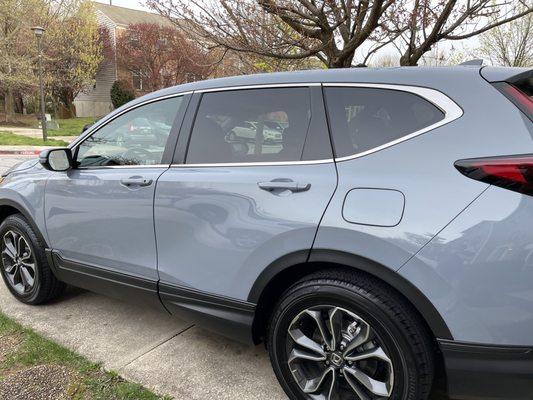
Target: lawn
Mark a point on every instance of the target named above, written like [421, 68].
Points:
[8, 138]
[34, 367]
[71, 126]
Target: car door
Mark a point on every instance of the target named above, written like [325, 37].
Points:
[235, 204]
[99, 216]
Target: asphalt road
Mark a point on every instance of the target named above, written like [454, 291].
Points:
[7, 161]
[147, 346]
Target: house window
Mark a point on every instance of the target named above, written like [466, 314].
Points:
[134, 38]
[137, 81]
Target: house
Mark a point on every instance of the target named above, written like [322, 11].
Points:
[96, 101]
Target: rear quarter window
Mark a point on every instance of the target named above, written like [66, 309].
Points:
[362, 119]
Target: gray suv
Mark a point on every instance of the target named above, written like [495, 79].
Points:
[382, 237]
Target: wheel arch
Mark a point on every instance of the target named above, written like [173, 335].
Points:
[9, 207]
[287, 270]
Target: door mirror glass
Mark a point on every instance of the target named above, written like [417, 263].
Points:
[56, 159]
[85, 127]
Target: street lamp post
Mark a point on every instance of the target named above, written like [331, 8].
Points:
[39, 31]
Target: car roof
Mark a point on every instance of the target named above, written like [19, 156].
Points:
[394, 75]
[439, 78]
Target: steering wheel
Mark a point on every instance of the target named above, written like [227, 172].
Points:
[136, 154]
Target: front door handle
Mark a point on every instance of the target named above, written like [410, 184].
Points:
[135, 181]
[277, 185]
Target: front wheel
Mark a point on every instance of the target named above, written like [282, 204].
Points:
[24, 266]
[338, 335]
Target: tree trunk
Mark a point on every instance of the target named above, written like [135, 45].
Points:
[410, 59]
[8, 105]
[66, 105]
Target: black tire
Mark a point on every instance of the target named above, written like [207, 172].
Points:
[401, 333]
[45, 285]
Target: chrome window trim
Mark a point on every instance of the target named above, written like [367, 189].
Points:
[258, 163]
[451, 110]
[123, 167]
[92, 131]
[253, 164]
[82, 138]
[258, 86]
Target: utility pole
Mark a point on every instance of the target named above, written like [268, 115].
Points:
[39, 31]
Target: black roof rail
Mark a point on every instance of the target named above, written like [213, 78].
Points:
[474, 62]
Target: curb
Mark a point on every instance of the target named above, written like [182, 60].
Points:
[20, 152]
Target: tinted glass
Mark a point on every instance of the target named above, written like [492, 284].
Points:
[255, 125]
[364, 118]
[137, 137]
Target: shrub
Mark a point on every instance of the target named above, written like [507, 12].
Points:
[121, 93]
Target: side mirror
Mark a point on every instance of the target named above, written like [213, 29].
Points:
[85, 127]
[56, 159]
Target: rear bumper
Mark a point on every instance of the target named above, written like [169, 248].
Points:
[476, 371]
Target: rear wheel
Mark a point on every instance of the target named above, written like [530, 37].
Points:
[24, 266]
[337, 335]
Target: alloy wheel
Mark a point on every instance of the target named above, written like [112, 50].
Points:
[334, 354]
[18, 262]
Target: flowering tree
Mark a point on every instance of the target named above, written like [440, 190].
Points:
[74, 51]
[161, 56]
[71, 50]
[17, 50]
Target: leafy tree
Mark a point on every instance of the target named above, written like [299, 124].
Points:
[121, 93]
[161, 55]
[71, 50]
[333, 31]
[73, 53]
[17, 49]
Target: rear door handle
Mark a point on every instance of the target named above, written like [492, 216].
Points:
[284, 185]
[135, 181]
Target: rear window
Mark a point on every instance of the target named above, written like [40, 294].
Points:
[365, 118]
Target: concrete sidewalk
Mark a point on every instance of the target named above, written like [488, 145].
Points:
[147, 346]
[34, 133]
[24, 131]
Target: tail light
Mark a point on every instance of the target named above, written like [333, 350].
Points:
[520, 98]
[509, 172]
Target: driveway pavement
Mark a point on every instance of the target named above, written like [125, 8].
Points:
[7, 162]
[147, 346]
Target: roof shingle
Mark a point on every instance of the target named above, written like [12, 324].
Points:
[126, 16]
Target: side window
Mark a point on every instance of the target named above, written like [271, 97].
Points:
[137, 137]
[250, 125]
[364, 118]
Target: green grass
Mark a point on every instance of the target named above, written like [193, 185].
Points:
[93, 382]
[8, 138]
[71, 126]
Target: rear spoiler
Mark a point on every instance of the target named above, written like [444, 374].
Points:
[506, 74]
